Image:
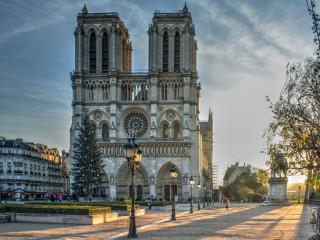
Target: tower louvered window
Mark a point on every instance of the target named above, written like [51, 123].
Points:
[105, 52]
[177, 53]
[165, 52]
[105, 131]
[165, 131]
[93, 53]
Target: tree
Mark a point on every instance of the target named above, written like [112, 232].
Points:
[88, 168]
[244, 192]
[263, 177]
[295, 127]
[244, 180]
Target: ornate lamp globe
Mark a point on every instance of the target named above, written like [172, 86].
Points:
[138, 157]
[204, 187]
[199, 185]
[191, 181]
[173, 172]
[129, 149]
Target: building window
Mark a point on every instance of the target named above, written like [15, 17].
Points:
[176, 92]
[93, 53]
[105, 131]
[93, 128]
[105, 52]
[105, 93]
[177, 53]
[177, 130]
[165, 51]
[164, 92]
[165, 131]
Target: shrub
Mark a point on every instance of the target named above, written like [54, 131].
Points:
[56, 209]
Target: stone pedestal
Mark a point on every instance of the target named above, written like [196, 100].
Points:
[277, 191]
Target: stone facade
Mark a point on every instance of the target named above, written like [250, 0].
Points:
[160, 108]
[28, 169]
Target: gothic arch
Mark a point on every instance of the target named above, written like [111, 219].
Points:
[164, 182]
[161, 128]
[124, 180]
[103, 115]
[177, 29]
[91, 29]
[103, 29]
[164, 29]
[103, 122]
[163, 116]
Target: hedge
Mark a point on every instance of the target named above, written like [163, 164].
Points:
[113, 206]
[56, 209]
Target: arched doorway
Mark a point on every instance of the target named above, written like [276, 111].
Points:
[124, 181]
[165, 186]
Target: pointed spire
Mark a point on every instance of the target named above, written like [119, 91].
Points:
[185, 8]
[84, 9]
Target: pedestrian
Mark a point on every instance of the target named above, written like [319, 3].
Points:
[150, 203]
[227, 203]
[60, 197]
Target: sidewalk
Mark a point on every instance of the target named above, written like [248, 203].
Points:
[241, 221]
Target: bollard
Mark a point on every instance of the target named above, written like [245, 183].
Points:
[318, 220]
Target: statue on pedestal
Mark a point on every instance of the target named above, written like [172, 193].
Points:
[278, 181]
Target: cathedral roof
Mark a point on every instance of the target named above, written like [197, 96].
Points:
[203, 127]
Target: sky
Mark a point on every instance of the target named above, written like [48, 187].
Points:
[244, 47]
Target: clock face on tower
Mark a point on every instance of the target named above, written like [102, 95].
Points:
[135, 124]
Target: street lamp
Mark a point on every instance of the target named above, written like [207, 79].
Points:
[199, 188]
[173, 174]
[133, 155]
[191, 184]
[299, 194]
[204, 195]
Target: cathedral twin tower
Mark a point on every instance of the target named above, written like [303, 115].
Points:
[160, 107]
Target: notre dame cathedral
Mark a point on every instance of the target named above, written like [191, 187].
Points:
[160, 108]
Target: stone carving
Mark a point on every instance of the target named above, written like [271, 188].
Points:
[160, 109]
[148, 108]
[97, 115]
[120, 108]
[108, 110]
[135, 124]
[152, 179]
[180, 108]
[170, 115]
[278, 165]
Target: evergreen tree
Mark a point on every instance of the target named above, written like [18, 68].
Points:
[88, 168]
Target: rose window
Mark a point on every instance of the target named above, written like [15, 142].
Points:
[135, 124]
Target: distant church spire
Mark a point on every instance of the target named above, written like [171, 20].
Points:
[84, 9]
[185, 8]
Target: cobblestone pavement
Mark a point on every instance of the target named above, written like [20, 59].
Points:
[241, 221]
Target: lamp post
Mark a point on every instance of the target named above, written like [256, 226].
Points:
[133, 155]
[204, 196]
[199, 188]
[191, 185]
[173, 174]
[299, 194]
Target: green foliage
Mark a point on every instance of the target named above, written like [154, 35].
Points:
[56, 209]
[263, 177]
[242, 187]
[295, 127]
[88, 168]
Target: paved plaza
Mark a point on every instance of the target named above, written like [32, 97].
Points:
[241, 221]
